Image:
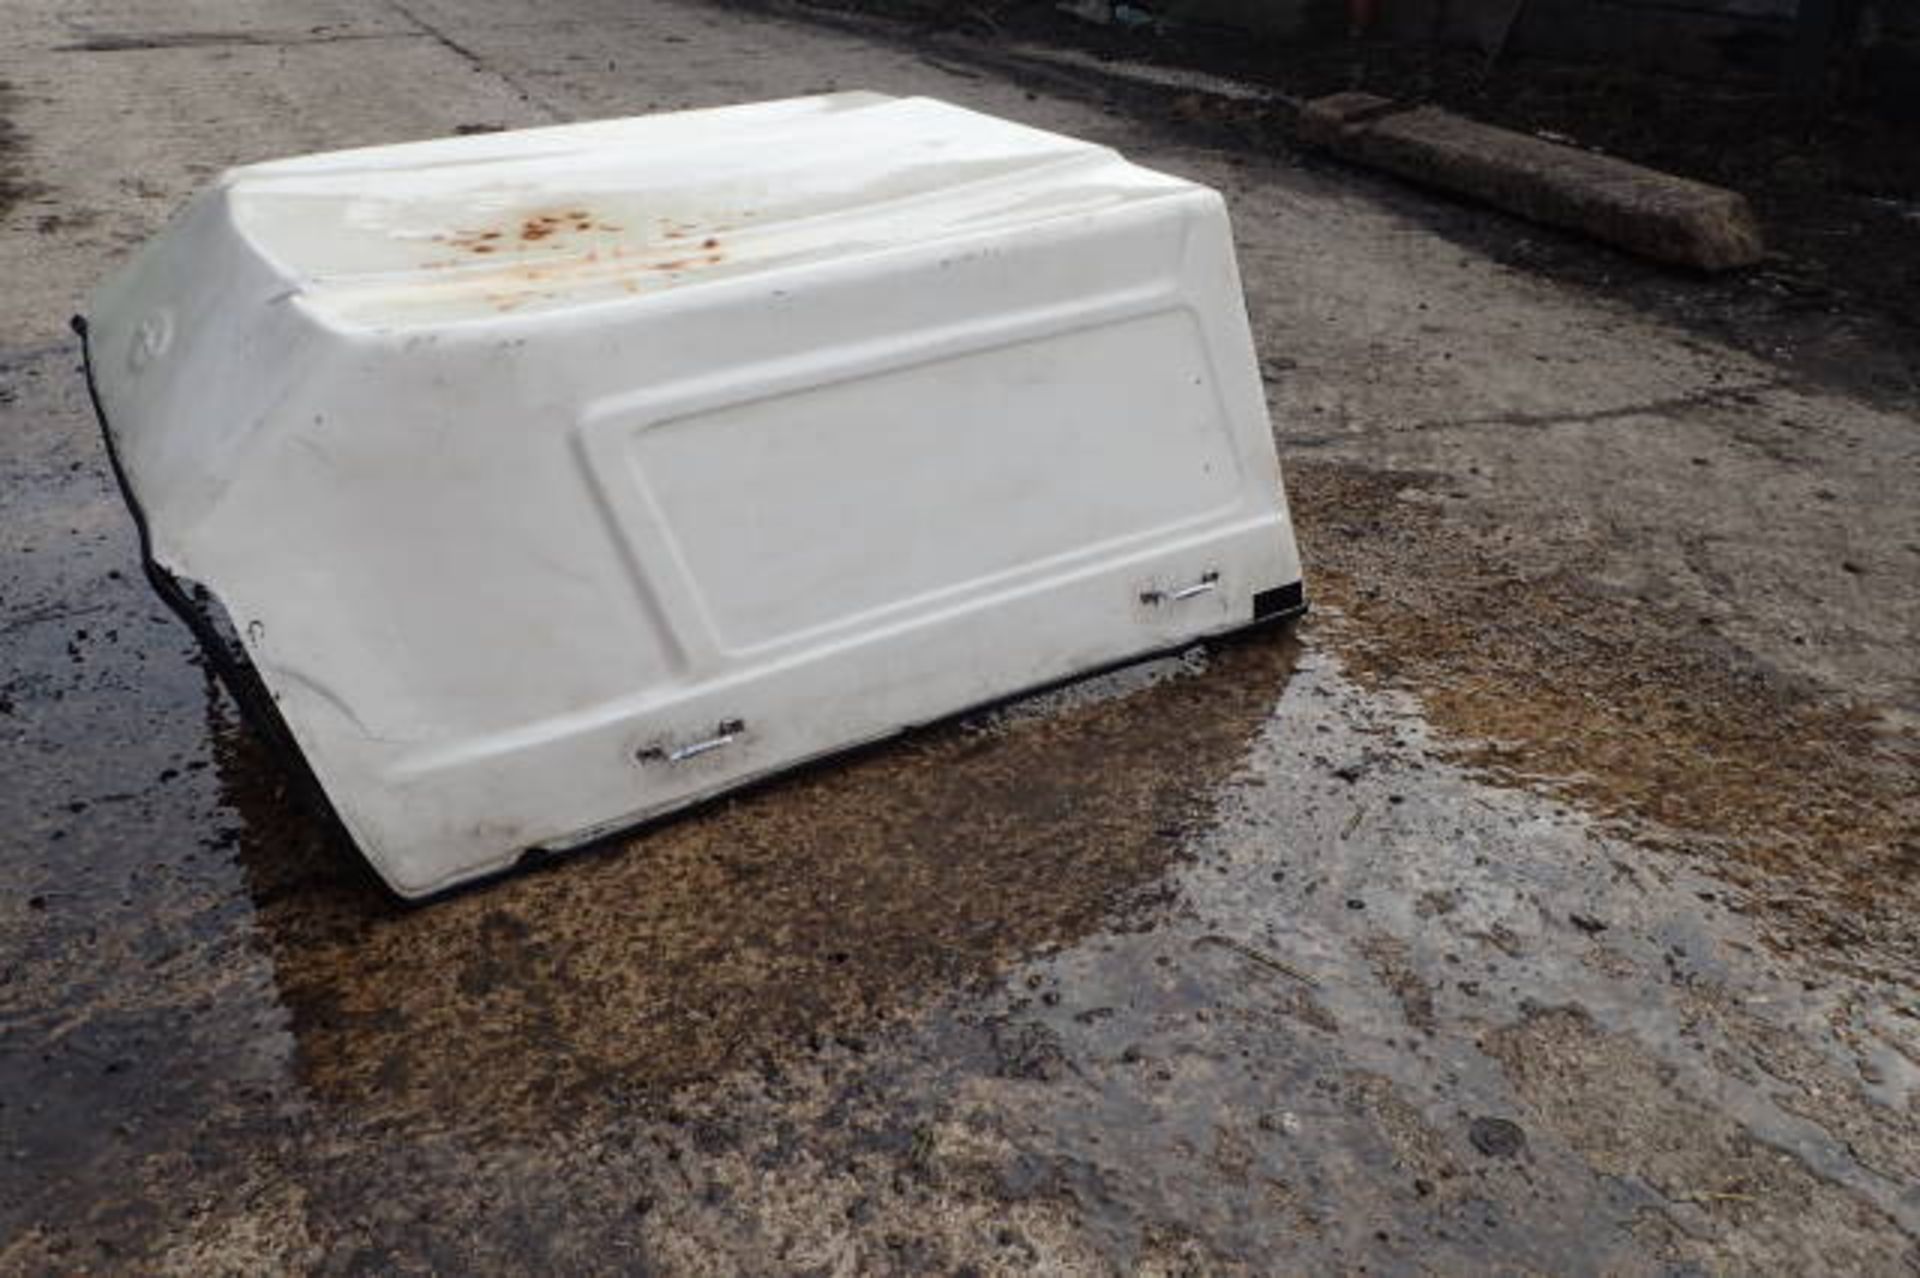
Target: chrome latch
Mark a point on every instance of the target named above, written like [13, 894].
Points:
[728, 732]
[1208, 582]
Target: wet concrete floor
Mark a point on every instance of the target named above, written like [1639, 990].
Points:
[1546, 902]
[1221, 964]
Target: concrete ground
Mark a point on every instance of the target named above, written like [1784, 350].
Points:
[1546, 903]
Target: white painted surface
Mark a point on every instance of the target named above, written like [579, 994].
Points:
[561, 478]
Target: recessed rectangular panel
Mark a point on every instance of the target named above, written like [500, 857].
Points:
[800, 511]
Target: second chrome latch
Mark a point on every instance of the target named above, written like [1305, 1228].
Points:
[1209, 581]
[725, 734]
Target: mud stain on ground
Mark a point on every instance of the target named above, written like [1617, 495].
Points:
[1733, 1200]
[1632, 708]
[14, 186]
[814, 908]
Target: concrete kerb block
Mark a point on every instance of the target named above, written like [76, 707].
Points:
[1656, 215]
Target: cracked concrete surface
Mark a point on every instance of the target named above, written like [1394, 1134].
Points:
[1644, 408]
[1545, 904]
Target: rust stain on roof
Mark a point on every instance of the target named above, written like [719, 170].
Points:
[577, 246]
[539, 226]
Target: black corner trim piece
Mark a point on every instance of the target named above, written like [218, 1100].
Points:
[1280, 603]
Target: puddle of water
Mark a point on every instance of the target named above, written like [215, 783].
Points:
[809, 908]
[1371, 958]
